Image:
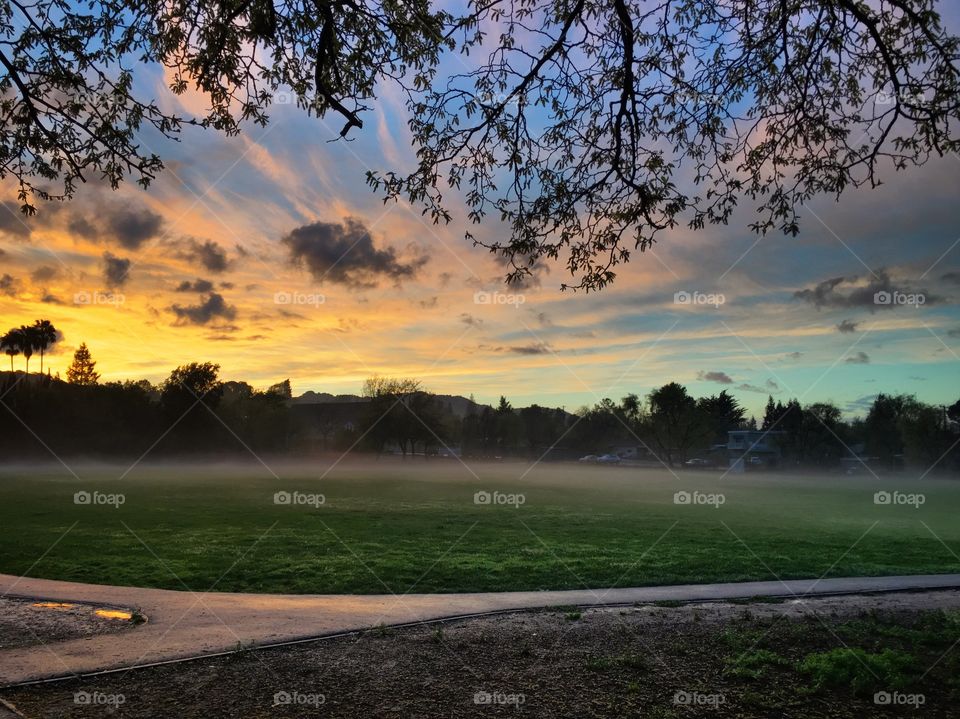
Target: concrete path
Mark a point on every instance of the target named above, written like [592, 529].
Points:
[186, 624]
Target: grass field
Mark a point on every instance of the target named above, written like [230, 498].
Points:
[397, 527]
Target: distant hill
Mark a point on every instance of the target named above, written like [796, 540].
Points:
[455, 404]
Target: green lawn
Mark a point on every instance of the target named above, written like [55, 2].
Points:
[398, 527]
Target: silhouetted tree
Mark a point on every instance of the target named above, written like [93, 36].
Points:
[83, 370]
[675, 422]
[43, 335]
[11, 344]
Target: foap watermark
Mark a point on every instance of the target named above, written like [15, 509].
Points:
[684, 698]
[482, 297]
[499, 698]
[98, 699]
[895, 498]
[484, 497]
[298, 499]
[905, 96]
[710, 299]
[296, 698]
[900, 699]
[309, 299]
[98, 499]
[699, 498]
[99, 298]
[898, 298]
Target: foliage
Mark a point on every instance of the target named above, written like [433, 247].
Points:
[83, 369]
[621, 120]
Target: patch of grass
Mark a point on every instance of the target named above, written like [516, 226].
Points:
[859, 671]
[389, 526]
[572, 616]
[758, 599]
[752, 664]
[634, 662]
[669, 603]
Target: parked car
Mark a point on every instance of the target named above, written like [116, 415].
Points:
[697, 462]
[608, 459]
[588, 458]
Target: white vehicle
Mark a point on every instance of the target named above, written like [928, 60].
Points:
[608, 459]
[588, 458]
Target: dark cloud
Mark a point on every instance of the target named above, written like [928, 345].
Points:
[115, 270]
[345, 253]
[131, 227]
[858, 358]
[212, 307]
[208, 253]
[44, 274]
[540, 348]
[51, 299]
[80, 225]
[847, 327]
[953, 333]
[953, 277]
[3, 253]
[795, 355]
[445, 278]
[127, 224]
[469, 319]
[199, 285]
[715, 376]
[8, 285]
[847, 292]
[226, 285]
[13, 222]
[430, 303]
[544, 319]
[769, 387]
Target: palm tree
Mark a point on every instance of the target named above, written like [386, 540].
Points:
[10, 343]
[26, 340]
[43, 335]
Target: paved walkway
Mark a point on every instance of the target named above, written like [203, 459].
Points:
[186, 624]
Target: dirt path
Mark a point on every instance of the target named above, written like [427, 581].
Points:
[842, 657]
[187, 624]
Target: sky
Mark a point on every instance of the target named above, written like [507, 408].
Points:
[268, 254]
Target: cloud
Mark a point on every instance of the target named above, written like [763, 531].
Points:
[954, 332]
[8, 285]
[861, 404]
[858, 358]
[715, 376]
[128, 225]
[795, 355]
[539, 348]
[769, 387]
[131, 227]
[847, 292]
[208, 253]
[12, 221]
[544, 319]
[953, 277]
[212, 307]
[115, 270]
[51, 300]
[469, 319]
[199, 285]
[847, 327]
[345, 254]
[429, 303]
[44, 274]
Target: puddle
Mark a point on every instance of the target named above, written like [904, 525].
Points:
[104, 613]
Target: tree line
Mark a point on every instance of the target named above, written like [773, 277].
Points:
[194, 411]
